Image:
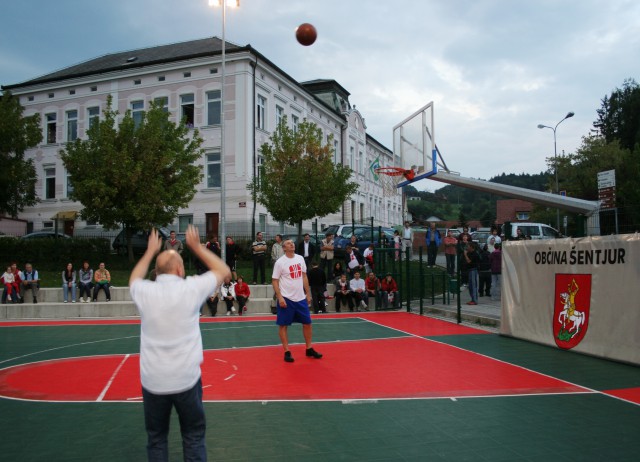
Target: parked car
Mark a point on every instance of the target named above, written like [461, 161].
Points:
[480, 237]
[139, 241]
[534, 230]
[363, 240]
[45, 235]
[455, 232]
[344, 230]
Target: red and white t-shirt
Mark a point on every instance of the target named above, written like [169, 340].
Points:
[289, 272]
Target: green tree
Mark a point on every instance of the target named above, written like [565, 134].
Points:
[137, 175]
[619, 116]
[298, 179]
[17, 175]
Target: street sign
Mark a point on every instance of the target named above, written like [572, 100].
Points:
[607, 179]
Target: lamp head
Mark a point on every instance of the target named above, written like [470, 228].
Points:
[542, 126]
[569, 114]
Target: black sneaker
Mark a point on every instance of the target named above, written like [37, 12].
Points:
[313, 353]
[287, 357]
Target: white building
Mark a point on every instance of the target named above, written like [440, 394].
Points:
[186, 78]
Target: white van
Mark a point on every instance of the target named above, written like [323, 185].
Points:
[534, 231]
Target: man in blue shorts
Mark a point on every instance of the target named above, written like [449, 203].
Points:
[291, 287]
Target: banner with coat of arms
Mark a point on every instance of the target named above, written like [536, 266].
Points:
[576, 294]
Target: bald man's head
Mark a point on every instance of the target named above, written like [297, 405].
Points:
[170, 262]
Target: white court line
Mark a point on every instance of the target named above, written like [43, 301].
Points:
[69, 346]
[113, 376]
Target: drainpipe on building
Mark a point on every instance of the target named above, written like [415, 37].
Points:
[255, 158]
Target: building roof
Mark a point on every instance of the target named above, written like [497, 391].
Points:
[209, 46]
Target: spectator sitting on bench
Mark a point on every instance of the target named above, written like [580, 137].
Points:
[102, 278]
[389, 292]
[242, 294]
[30, 282]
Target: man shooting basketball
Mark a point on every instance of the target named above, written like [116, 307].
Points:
[171, 343]
[290, 284]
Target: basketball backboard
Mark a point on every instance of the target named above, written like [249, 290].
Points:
[414, 143]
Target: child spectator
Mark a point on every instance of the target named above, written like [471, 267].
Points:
[10, 285]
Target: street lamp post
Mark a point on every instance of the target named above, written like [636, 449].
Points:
[223, 183]
[555, 158]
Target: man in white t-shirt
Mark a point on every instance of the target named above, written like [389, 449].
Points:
[291, 287]
[493, 240]
[171, 344]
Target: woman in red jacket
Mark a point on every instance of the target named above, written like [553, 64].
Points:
[389, 292]
[242, 295]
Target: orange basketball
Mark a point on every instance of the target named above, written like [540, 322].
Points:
[306, 34]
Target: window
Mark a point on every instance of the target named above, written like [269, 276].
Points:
[522, 216]
[162, 102]
[260, 112]
[213, 170]
[279, 115]
[137, 81]
[214, 107]
[161, 78]
[49, 182]
[94, 88]
[72, 125]
[137, 112]
[351, 157]
[361, 163]
[72, 92]
[213, 70]
[262, 219]
[186, 74]
[69, 185]
[30, 98]
[183, 222]
[51, 128]
[336, 159]
[295, 121]
[187, 109]
[93, 116]
[52, 95]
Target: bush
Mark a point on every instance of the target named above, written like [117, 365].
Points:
[54, 254]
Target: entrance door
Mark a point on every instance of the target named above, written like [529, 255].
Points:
[212, 222]
[68, 227]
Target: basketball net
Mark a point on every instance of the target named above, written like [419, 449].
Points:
[390, 177]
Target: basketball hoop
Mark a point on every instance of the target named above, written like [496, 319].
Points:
[390, 177]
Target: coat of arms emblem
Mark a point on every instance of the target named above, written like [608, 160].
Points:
[572, 301]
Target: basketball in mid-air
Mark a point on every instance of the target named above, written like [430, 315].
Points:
[306, 34]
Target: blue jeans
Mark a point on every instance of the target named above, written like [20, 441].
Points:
[473, 284]
[157, 415]
[65, 290]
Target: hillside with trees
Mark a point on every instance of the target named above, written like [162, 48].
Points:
[450, 202]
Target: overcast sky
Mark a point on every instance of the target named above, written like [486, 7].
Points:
[495, 69]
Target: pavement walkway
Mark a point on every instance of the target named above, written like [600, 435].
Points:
[486, 313]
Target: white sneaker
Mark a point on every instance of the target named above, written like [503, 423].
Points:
[233, 310]
[228, 313]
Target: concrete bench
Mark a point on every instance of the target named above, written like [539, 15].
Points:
[50, 305]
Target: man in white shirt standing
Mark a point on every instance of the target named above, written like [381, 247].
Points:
[407, 238]
[171, 343]
[291, 287]
[493, 240]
